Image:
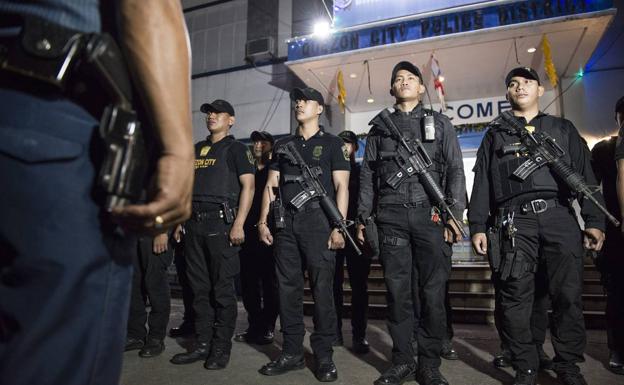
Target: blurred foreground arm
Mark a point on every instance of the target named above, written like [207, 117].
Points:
[155, 41]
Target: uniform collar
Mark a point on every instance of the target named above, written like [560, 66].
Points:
[319, 134]
[226, 138]
[418, 110]
[539, 115]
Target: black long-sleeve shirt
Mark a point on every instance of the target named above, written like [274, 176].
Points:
[482, 201]
[454, 183]
[605, 169]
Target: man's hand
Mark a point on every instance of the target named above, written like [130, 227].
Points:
[360, 233]
[593, 239]
[160, 244]
[336, 240]
[452, 233]
[172, 191]
[177, 233]
[479, 242]
[155, 43]
[265, 234]
[237, 235]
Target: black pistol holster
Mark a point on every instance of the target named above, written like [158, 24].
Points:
[51, 57]
[372, 236]
[512, 262]
[229, 213]
[278, 212]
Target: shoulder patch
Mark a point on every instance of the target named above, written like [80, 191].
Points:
[345, 152]
[250, 157]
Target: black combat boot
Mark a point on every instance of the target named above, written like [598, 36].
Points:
[201, 352]
[430, 375]
[218, 359]
[152, 348]
[397, 374]
[284, 363]
[447, 352]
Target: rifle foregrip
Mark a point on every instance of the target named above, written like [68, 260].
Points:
[576, 182]
[432, 187]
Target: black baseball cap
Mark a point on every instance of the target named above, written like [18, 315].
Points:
[619, 105]
[217, 106]
[262, 135]
[525, 72]
[307, 93]
[349, 137]
[405, 65]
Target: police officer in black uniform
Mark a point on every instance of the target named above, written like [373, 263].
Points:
[610, 261]
[258, 280]
[414, 239]
[307, 241]
[537, 225]
[150, 282]
[358, 266]
[222, 196]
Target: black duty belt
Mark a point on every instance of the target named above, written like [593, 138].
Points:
[202, 216]
[538, 206]
[424, 204]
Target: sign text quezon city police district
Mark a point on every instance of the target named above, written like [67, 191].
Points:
[445, 24]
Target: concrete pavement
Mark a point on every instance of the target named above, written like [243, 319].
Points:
[476, 345]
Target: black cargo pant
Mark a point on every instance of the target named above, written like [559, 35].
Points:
[149, 281]
[450, 333]
[539, 314]
[358, 267]
[415, 260]
[554, 239]
[187, 293]
[302, 245]
[258, 284]
[212, 265]
[611, 266]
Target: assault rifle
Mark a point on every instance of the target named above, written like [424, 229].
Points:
[541, 149]
[412, 158]
[313, 188]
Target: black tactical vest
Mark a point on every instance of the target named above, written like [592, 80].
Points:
[506, 186]
[410, 190]
[215, 182]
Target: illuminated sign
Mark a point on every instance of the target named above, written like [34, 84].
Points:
[354, 12]
[444, 24]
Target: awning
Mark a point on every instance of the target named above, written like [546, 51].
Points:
[474, 61]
